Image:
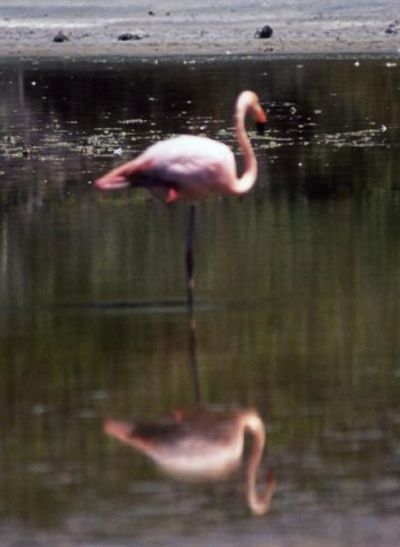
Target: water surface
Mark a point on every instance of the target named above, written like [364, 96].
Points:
[297, 301]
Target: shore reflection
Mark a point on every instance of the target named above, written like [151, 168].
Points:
[203, 444]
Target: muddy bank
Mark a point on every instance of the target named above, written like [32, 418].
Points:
[173, 27]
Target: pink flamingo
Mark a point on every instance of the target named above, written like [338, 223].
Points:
[191, 168]
[202, 445]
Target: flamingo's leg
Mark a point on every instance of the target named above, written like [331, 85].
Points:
[189, 255]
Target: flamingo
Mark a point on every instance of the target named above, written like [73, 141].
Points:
[201, 444]
[190, 168]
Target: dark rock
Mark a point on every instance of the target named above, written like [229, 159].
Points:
[393, 28]
[265, 32]
[60, 37]
[125, 36]
[151, 12]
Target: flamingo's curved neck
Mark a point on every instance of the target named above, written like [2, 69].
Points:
[259, 503]
[246, 101]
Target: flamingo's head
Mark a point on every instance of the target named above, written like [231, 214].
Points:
[260, 117]
[249, 101]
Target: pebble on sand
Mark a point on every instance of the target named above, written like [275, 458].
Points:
[265, 32]
[60, 37]
[393, 28]
[125, 36]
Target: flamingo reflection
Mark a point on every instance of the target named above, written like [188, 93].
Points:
[201, 444]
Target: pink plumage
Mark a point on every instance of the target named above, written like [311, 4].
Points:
[191, 167]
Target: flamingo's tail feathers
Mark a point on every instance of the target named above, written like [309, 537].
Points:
[124, 176]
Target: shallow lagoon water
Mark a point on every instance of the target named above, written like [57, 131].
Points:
[297, 301]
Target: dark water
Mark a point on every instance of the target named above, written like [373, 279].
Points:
[297, 314]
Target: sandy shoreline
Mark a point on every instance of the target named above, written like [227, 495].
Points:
[177, 27]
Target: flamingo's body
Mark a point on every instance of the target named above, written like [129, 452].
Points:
[185, 167]
[191, 168]
[201, 445]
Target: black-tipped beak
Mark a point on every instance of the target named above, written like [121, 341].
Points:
[260, 128]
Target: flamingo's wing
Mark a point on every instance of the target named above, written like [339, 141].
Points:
[185, 167]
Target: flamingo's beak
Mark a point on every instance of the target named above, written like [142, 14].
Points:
[260, 128]
[261, 120]
[112, 182]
